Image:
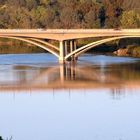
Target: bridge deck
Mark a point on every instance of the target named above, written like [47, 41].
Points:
[66, 34]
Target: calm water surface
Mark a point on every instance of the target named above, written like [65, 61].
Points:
[97, 98]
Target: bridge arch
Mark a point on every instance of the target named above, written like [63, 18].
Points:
[37, 42]
[89, 46]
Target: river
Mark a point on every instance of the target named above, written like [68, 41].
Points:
[96, 98]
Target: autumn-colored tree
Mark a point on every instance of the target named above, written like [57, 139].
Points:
[130, 19]
[66, 13]
[114, 9]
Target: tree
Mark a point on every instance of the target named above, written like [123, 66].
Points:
[91, 21]
[4, 18]
[42, 17]
[130, 19]
[67, 13]
[102, 16]
[114, 10]
[30, 4]
[18, 3]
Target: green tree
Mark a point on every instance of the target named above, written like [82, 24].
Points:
[91, 20]
[19, 18]
[30, 4]
[18, 3]
[4, 18]
[42, 17]
[130, 19]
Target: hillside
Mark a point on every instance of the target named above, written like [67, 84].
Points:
[131, 4]
[67, 13]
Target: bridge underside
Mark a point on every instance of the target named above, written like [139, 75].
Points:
[67, 49]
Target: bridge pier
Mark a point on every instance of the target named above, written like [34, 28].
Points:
[73, 47]
[66, 47]
[62, 52]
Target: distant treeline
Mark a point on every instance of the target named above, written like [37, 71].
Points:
[69, 14]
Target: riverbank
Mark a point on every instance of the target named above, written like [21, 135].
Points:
[124, 47]
[8, 46]
[133, 51]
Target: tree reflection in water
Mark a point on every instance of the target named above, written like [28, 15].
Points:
[6, 138]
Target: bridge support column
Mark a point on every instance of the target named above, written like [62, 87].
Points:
[73, 47]
[67, 47]
[62, 52]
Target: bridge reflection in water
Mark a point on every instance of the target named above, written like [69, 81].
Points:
[116, 77]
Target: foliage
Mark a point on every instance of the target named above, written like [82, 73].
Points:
[130, 19]
[68, 13]
[1, 138]
[134, 50]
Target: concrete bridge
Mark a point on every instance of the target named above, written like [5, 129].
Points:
[67, 49]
